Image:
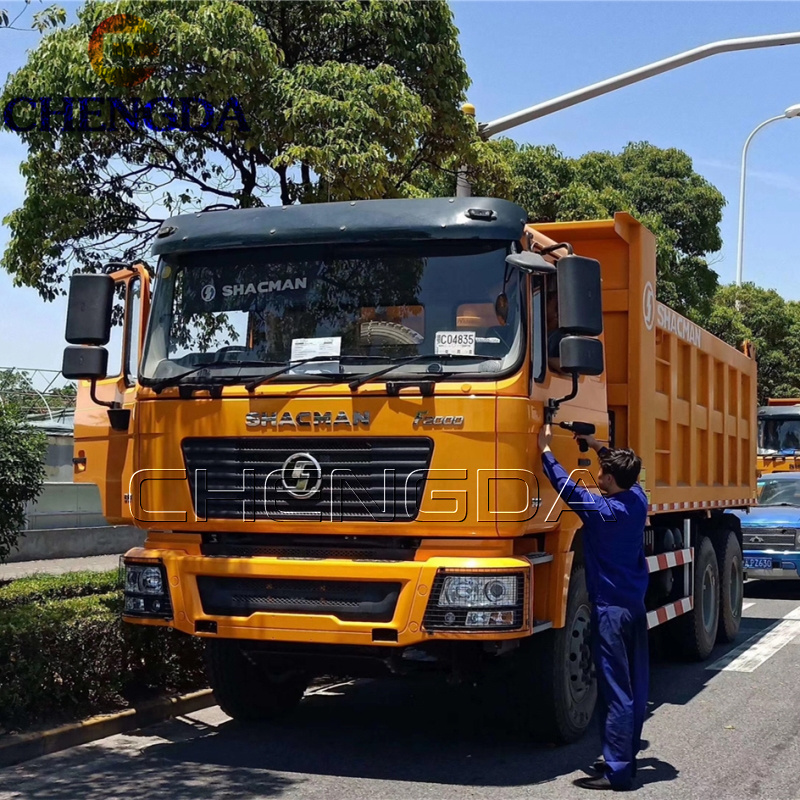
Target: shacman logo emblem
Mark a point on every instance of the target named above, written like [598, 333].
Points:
[208, 292]
[301, 475]
[135, 27]
[648, 305]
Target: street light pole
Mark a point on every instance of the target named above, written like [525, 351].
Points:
[792, 111]
[488, 129]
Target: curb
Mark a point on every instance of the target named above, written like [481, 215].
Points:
[26, 746]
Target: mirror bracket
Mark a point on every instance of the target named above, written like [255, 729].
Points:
[95, 399]
[528, 261]
[553, 404]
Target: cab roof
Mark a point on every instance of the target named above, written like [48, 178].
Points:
[341, 223]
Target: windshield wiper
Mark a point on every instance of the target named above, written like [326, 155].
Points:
[175, 380]
[289, 366]
[412, 360]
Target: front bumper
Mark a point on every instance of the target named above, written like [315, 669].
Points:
[187, 577]
[785, 565]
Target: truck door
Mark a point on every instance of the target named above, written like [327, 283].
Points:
[104, 455]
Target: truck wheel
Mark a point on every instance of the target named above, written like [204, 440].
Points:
[564, 682]
[731, 587]
[245, 690]
[696, 632]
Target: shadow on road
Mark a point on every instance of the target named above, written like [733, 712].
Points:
[397, 731]
[401, 730]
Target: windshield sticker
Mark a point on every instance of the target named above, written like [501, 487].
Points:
[456, 343]
[313, 348]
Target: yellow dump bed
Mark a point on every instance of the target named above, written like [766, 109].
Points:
[684, 400]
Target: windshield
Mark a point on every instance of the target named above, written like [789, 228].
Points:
[776, 434]
[779, 491]
[350, 310]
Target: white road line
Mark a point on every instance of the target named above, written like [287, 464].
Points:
[750, 655]
[745, 606]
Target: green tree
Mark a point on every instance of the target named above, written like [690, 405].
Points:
[22, 451]
[50, 17]
[771, 324]
[658, 186]
[342, 99]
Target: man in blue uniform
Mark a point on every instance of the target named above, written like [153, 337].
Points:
[616, 578]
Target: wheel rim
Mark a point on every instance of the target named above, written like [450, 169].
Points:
[736, 588]
[579, 657]
[709, 598]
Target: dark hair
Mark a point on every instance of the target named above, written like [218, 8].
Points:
[622, 465]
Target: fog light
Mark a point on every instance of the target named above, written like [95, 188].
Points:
[135, 605]
[488, 618]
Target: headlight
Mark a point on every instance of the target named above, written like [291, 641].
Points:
[477, 591]
[146, 590]
[143, 579]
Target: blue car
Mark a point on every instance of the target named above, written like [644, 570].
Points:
[771, 531]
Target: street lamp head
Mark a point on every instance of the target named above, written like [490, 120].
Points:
[792, 111]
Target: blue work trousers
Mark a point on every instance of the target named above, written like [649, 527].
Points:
[619, 649]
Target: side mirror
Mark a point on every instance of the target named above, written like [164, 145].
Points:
[85, 363]
[89, 309]
[581, 355]
[580, 306]
[529, 262]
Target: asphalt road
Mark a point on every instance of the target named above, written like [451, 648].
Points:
[728, 728]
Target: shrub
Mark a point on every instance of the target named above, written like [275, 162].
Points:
[37, 588]
[70, 657]
[22, 452]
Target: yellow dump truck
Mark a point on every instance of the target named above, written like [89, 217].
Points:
[327, 419]
[779, 435]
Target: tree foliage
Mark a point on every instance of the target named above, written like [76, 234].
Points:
[658, 186]
[50, 17]
[22, 451]
[343, 100]
[772, 324]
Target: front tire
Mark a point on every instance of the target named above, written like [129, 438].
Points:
[247, 691]
[564, 672]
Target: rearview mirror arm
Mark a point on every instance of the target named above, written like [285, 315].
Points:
[551, 409]
[98, 401]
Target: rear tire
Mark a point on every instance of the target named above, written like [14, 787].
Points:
[562, 679]
[247, 691]
[731, 587]
[696, 632]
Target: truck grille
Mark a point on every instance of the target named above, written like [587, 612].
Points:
[768, 538]
[361, 479]
[357, 601]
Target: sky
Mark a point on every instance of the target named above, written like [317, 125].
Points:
[522, 53]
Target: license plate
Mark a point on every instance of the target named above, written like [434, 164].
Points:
[758, 563]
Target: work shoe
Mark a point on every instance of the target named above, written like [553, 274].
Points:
[599, 782]
[599, 766]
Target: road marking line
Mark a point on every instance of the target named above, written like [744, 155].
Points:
[745, 606]
[750, 655]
